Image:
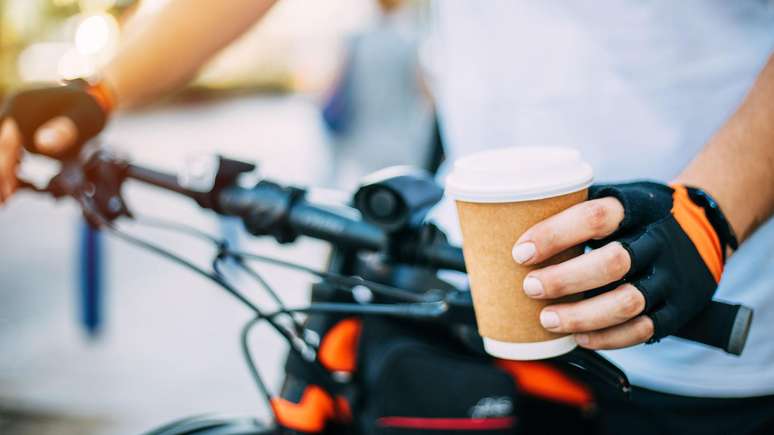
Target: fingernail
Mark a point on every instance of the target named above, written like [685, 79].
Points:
[49, 137]
[523, 252]
[533, 287]
[549, 319]
[582, 339]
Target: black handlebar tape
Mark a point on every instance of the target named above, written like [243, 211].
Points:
[721, 325]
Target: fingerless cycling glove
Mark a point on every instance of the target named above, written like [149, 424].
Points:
[86, 105]
[677, 238]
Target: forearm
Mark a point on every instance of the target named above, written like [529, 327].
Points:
[737, 165]
[174, 43]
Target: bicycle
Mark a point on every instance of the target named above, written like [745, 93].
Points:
[384, 266]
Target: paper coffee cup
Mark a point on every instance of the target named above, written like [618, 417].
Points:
[500, 194]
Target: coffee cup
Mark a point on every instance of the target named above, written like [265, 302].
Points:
[499, 194]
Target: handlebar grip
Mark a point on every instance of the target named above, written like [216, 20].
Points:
[720, 325]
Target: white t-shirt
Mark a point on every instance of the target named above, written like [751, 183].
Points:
[638, 87]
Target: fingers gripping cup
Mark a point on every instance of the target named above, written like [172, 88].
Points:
[500, 194]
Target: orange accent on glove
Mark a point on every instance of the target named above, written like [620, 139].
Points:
[103, 95]
[693, 220]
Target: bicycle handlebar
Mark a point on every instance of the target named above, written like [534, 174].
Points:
[303, 218]
[283, 212]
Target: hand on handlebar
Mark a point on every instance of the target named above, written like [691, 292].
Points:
[656, 265]
[54, 121]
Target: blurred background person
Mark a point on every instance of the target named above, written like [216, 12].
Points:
[379, 110]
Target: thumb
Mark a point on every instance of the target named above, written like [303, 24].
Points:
[56, 135]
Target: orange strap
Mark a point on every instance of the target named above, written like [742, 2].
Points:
[693, 220]
[338, 350]
[543, 380]
[312, 412]
[104, 96]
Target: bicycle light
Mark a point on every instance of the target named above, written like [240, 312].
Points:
[397, 198]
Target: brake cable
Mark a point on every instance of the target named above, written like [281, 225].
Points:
[88, 209]
[221, 245]
[419, 308]
[341, 282]
[251, 366]
[345, 282]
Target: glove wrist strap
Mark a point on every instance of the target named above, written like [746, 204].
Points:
[702, 223]
[100, 91]
[716, 217]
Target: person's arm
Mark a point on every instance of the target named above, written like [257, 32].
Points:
[168, 50]
[174, 43]
[736, 167]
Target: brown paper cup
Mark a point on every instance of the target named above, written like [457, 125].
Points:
[499, 195]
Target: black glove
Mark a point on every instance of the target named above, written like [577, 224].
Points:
[677, 239]
[86, 106]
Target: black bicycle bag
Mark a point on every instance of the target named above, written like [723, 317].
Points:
[404, 377]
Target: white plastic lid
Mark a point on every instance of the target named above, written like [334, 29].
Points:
[518, 174]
